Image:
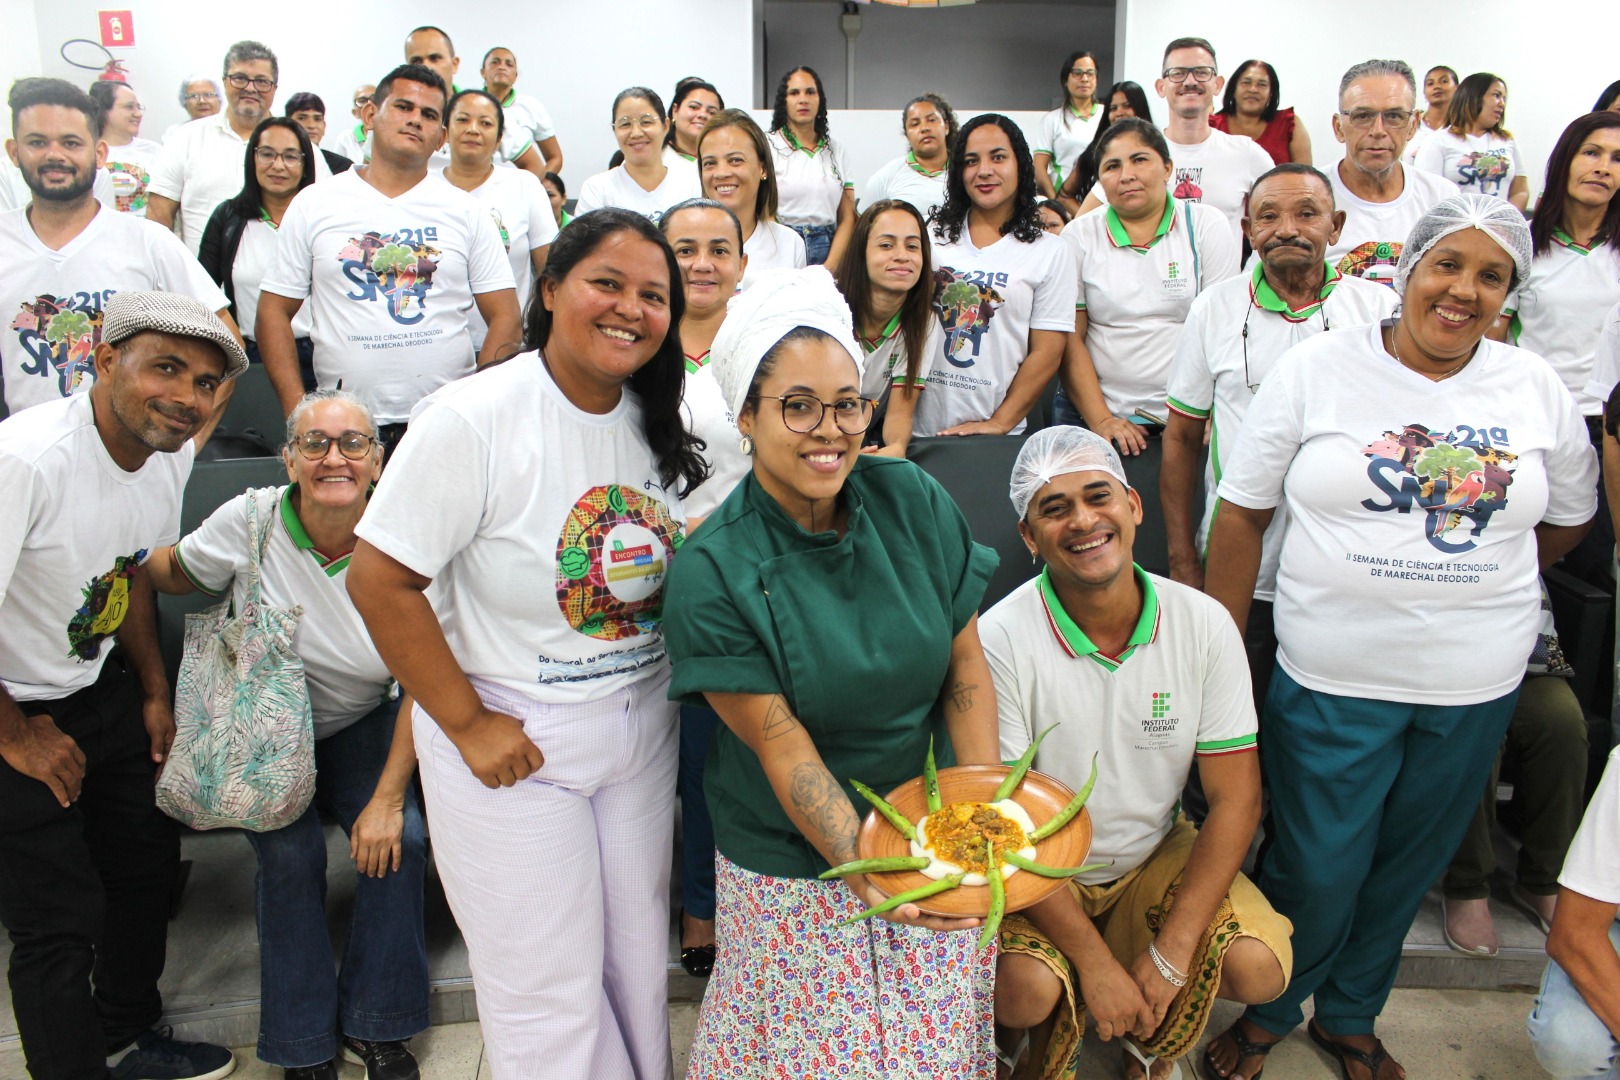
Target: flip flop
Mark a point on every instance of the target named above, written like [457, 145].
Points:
[1147, 1061]
[1373, 1061]
[1246, 1049]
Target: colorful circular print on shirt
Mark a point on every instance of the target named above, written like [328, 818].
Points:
[612, 557]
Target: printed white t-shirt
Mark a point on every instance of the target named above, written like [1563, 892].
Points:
[1606, 357]
[1179, 691]
[551, 533]
[1230, 343]
[1415, 143]
[809, 185]
[904, 179]
[1592, 867]
[1218, 172]
[346, 677]
[987, 301]
[1065, 135]
[397, 335]
[709, 418]
[884, 363]
[1374, 233]
[1559, 311]
[52, 300]
[130, 167]
[1136, 298]
[75, 528]
[617, 188]
[774, 246]
[517, 203]
[1477, 164]
[1408, 570]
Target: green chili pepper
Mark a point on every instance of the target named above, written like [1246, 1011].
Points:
[998, 896]
[906, 898]
[931, 778]
[1069, 811]
[878, 866]
[1048, 871]
[1014, 778]
[905, 827]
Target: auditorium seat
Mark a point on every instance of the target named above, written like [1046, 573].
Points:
[974, 470]
[255, 407]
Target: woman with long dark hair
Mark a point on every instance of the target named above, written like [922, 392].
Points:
[693, 105]
[1474, 150]
[1251, 107]
[1609, 100]
[238, 247]
[1067, 129]
[1004, 287]
[918, 176]
[888, 278]
[543, 496]
[815, 189]
[1125, 99]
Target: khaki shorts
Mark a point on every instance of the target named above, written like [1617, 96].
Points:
[1128, 913]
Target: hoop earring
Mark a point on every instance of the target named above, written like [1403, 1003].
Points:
[746, 445]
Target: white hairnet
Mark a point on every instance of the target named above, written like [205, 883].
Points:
[1496, 218]
[1054, 451]
[771, 304]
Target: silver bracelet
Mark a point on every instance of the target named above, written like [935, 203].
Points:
[1168, 972]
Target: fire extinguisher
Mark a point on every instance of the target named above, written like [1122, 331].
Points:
[110, 67]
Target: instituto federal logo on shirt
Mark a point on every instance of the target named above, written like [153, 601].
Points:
[59, 335]
[1458, 478]
[1158, 727]
[395, 268]
[966, 302]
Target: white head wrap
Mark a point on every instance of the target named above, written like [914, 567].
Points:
[773, 303]
[1055, 451]
[1496, 218]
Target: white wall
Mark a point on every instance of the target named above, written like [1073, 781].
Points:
[573, 54]
[1551, 79]
[19, 53]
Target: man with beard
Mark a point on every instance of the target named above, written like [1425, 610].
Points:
[1209, 166]
[201, 165]
[67, 254]
[91, 484]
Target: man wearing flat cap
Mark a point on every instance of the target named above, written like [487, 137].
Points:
[92, 483]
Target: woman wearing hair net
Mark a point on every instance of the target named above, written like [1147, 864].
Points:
[1428, 474]
[826, 611]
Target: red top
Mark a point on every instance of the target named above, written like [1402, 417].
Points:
[1274, 140]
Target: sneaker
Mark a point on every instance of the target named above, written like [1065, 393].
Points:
[383, 1060]
[327, 1070]
[158, 1055]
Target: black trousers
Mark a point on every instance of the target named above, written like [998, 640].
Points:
[85, 892]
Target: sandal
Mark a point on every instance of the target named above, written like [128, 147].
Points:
[1372, 1062]
[1246, 1049]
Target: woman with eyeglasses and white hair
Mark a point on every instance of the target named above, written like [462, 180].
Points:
[377, 998]
[645, 182]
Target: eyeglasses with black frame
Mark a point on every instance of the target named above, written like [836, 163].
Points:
[354, 445]
[258, 82]
[802, 413]
[268, 155]
[1180, 74]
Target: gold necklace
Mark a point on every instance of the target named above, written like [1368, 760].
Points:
[1395, 351]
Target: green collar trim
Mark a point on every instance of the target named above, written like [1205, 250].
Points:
[1121, 239]
[872, 345]
[1266, 298]
[1563, 239]
[301, 540]
[511, 96]
[360, 134]
[911, 159]
[1074, 640]
[793, 141]
[1074, 112]
[697, 363]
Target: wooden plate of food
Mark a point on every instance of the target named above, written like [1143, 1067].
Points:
[1039, 795]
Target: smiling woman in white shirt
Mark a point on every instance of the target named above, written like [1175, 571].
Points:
[693, 105]
[738, 171]
[644, 183]
[815, 188]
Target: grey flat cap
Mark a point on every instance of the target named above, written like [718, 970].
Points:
[131, 313]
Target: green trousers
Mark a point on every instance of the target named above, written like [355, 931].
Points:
[1368, 801]
[1546, 743]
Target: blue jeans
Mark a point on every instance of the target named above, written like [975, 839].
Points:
[1064, 414]
[381, 993]
[1569, 1040]
[697, 832]
[817, 241]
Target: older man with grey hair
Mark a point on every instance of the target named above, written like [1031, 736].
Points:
[201, 165]
[1380, 197]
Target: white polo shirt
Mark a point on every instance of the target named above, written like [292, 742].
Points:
[810, 183]
[1234, 334]
[1136, 298]
[1560, 309]
[527, 124]
[201, 166]
[1064, 135]
[1375, 232]
[774, 246]
[1179, 691]
[616, 187]
[703, 405]
[1592, 867]
[1606, 357]
[346, 677]
[1218, 172]
[517, 203]
[904, 179]
[883, 362]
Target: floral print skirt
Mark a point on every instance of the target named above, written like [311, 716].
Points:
[793, 995]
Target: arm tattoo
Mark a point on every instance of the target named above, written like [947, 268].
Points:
[779, 719]
[962, 695]
[823, 804]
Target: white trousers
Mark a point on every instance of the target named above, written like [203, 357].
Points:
[560, 884]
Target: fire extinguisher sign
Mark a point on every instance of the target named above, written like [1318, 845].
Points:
[117, 29]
